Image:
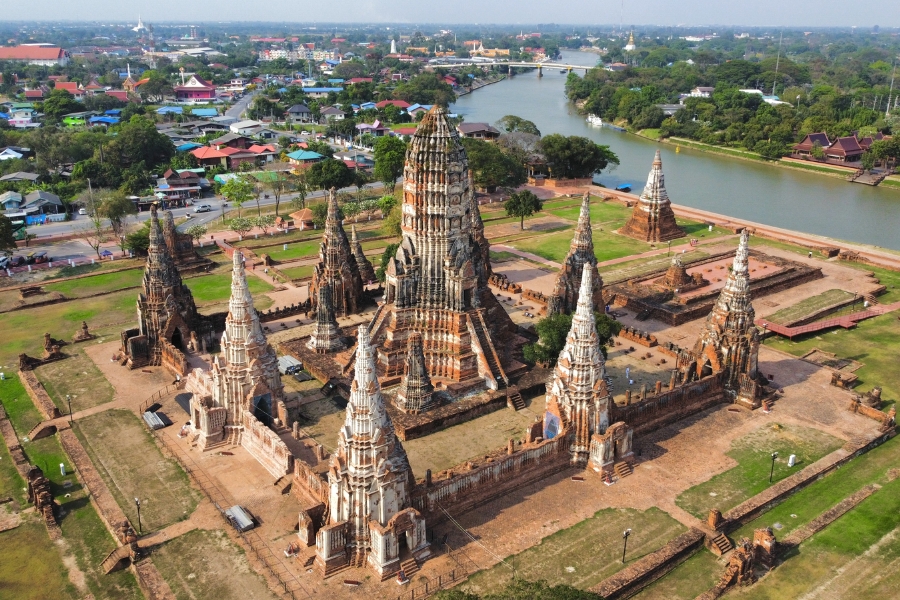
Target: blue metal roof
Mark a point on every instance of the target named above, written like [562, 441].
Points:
[322, 90]
[304, 155]
[205, 112]
[175, 110]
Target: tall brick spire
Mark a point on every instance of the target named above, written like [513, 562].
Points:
[581, 252]
[366, 272]
[415, 388]
[652, 219]
[326, 336]
[337, 267]
[578, 396]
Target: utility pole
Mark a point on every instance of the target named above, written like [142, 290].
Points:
[887, 109]
[777, 60]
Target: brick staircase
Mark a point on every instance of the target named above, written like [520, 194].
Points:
[490, 353]
[514, 399]
[410, 566]
[111, 562]
[623, 469]
[720, 544]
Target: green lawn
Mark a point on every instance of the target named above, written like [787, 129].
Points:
[132, 466]
[97, 267]
[97, 284]
[586, 553]
[209, 289]
[638, 267]
[23, 329]
[294, 250]
[22, 412]
[872, 342]
[30, 566]
[11, 483]
[811, 306]
[751, 475]
[298, 272]
[555, 246]
[78, 377]
[688, 580]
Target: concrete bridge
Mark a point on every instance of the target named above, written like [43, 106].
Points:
[465, 62]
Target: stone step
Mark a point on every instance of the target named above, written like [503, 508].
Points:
[410, 566]
[721, 544]
[514, 399]
[623, 469]
[111, 562]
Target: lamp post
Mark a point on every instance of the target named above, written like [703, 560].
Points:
[772, 471]
[69, 400]
[625, 535]
[137, 503]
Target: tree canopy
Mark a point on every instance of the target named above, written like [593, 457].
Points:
[329, 173]
[491, 168]
[575, 157]
[522, 204]
[426, 88]
[7, 236]
[512, 123]
[553, 329]
[390, 155]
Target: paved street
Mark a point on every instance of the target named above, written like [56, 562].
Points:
[240, 106]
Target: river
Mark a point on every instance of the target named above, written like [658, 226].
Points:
[774, 196]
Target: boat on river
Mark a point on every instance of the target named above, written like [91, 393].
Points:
[595, 120]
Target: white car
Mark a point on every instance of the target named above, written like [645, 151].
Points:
[202, 208]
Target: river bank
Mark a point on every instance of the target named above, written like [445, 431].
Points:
[480, 85]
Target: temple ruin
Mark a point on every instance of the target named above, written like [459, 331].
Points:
[581, 253]
[729, 342]
[240, 400]
[369, 482]
[326, 336]
[167, 315]
[436, 284]
[416, 391]
[337, 267]
[366, 271]
[652, 219]
[181, 246]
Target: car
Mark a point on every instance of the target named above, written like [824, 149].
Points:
[201, 208]
[4, 262]
[16, 261]
[304, 133]
[82, 211]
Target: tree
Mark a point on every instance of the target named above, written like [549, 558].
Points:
[817, 151]
[241, 225]
[138, 242]
[330, 173]
[238, 190]
[154, 90]
[522, 204]
[301, 187]
[320, 213]
[116, 207]
[264, 222]
[491, 168]
[393, 221]
[386, 257]
[552, 332]
[137, 141]
[426, 88]
[867, 162]
[770, 150]
[95, 233]
[196, 231]
[58, 104]
[575, 157]
[390, 156]
[512, 123]
[280, 181]
[386, 204]
[7, 236]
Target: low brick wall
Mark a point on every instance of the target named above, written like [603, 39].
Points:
[868, 411]
[651, 567]
[831, 515]
[762, 502]
[39, 395]
[12, 444]
[655, 412]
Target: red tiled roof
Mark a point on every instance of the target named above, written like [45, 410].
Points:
[845, 146]
[69, 86]
[119, 94]
[260, 148]
[31, 53]
[207, 152]
[34, 93]
[397, 103]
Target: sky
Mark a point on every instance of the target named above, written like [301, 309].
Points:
[796, 13]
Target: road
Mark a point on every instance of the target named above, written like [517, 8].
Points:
[240, 106]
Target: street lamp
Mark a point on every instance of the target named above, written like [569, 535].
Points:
[625, 535]
[772, 472]
[669, 251]
[69, 400]
[137, 503]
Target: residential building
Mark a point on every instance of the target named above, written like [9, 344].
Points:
[46, 56]
[300, 113]
[177, 186]
[804, 148]
[195, 90]
[478, 131]
[332, 113]
[701, 92]
[303, 158]
[321, 92]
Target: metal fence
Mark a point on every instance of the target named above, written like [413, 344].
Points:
[158, 394]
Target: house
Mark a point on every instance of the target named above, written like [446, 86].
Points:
[376, 129]
[232, 140]
[195, 90]
[300, 113]
[247, 127]
[478, 131]
[332, 114]
[669, 109]
[204, 112]
[415, 109]
[20, 176]
[401, 104]
[264, 152]
[321, 92]
[355, 80]
[78, 119]
[845, 149]
[303, 158]
[616, 66]
[73, 87]
[701, 92]
[22, 117]
[9, 153]
[35, 95]
[368, 106]
[178, 186]
[44, 203]
[804, 148]
[210, 157]
[120, 95]
[11, 201]
[103, 120]
[46, 56]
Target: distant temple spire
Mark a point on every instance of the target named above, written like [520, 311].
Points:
[565, 294]
[366, 272]
[337, 267]
[652, 219]
[326, 336]
[577, 398]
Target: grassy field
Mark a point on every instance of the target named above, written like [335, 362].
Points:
[11, 483]
[215, 288]
[299, 272]
[132, 466]
[87, 540]
[206, 564]
[810, 306]
[30, 567]
[102, 283]
[23, 330]
[872, 342]
[751, 476]
[78, 377]
[586, 553]
[643, 266]
[688, 580]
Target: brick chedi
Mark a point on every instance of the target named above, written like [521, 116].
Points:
[326, 336]
[577, 398]
[167, 315]
[337, 267]
[415, 393]
[241, 396]
[180, 245]
[366, 271]
[652, 219]
[436, 284]
[581, 253]
[729, 341]
[370, 483]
